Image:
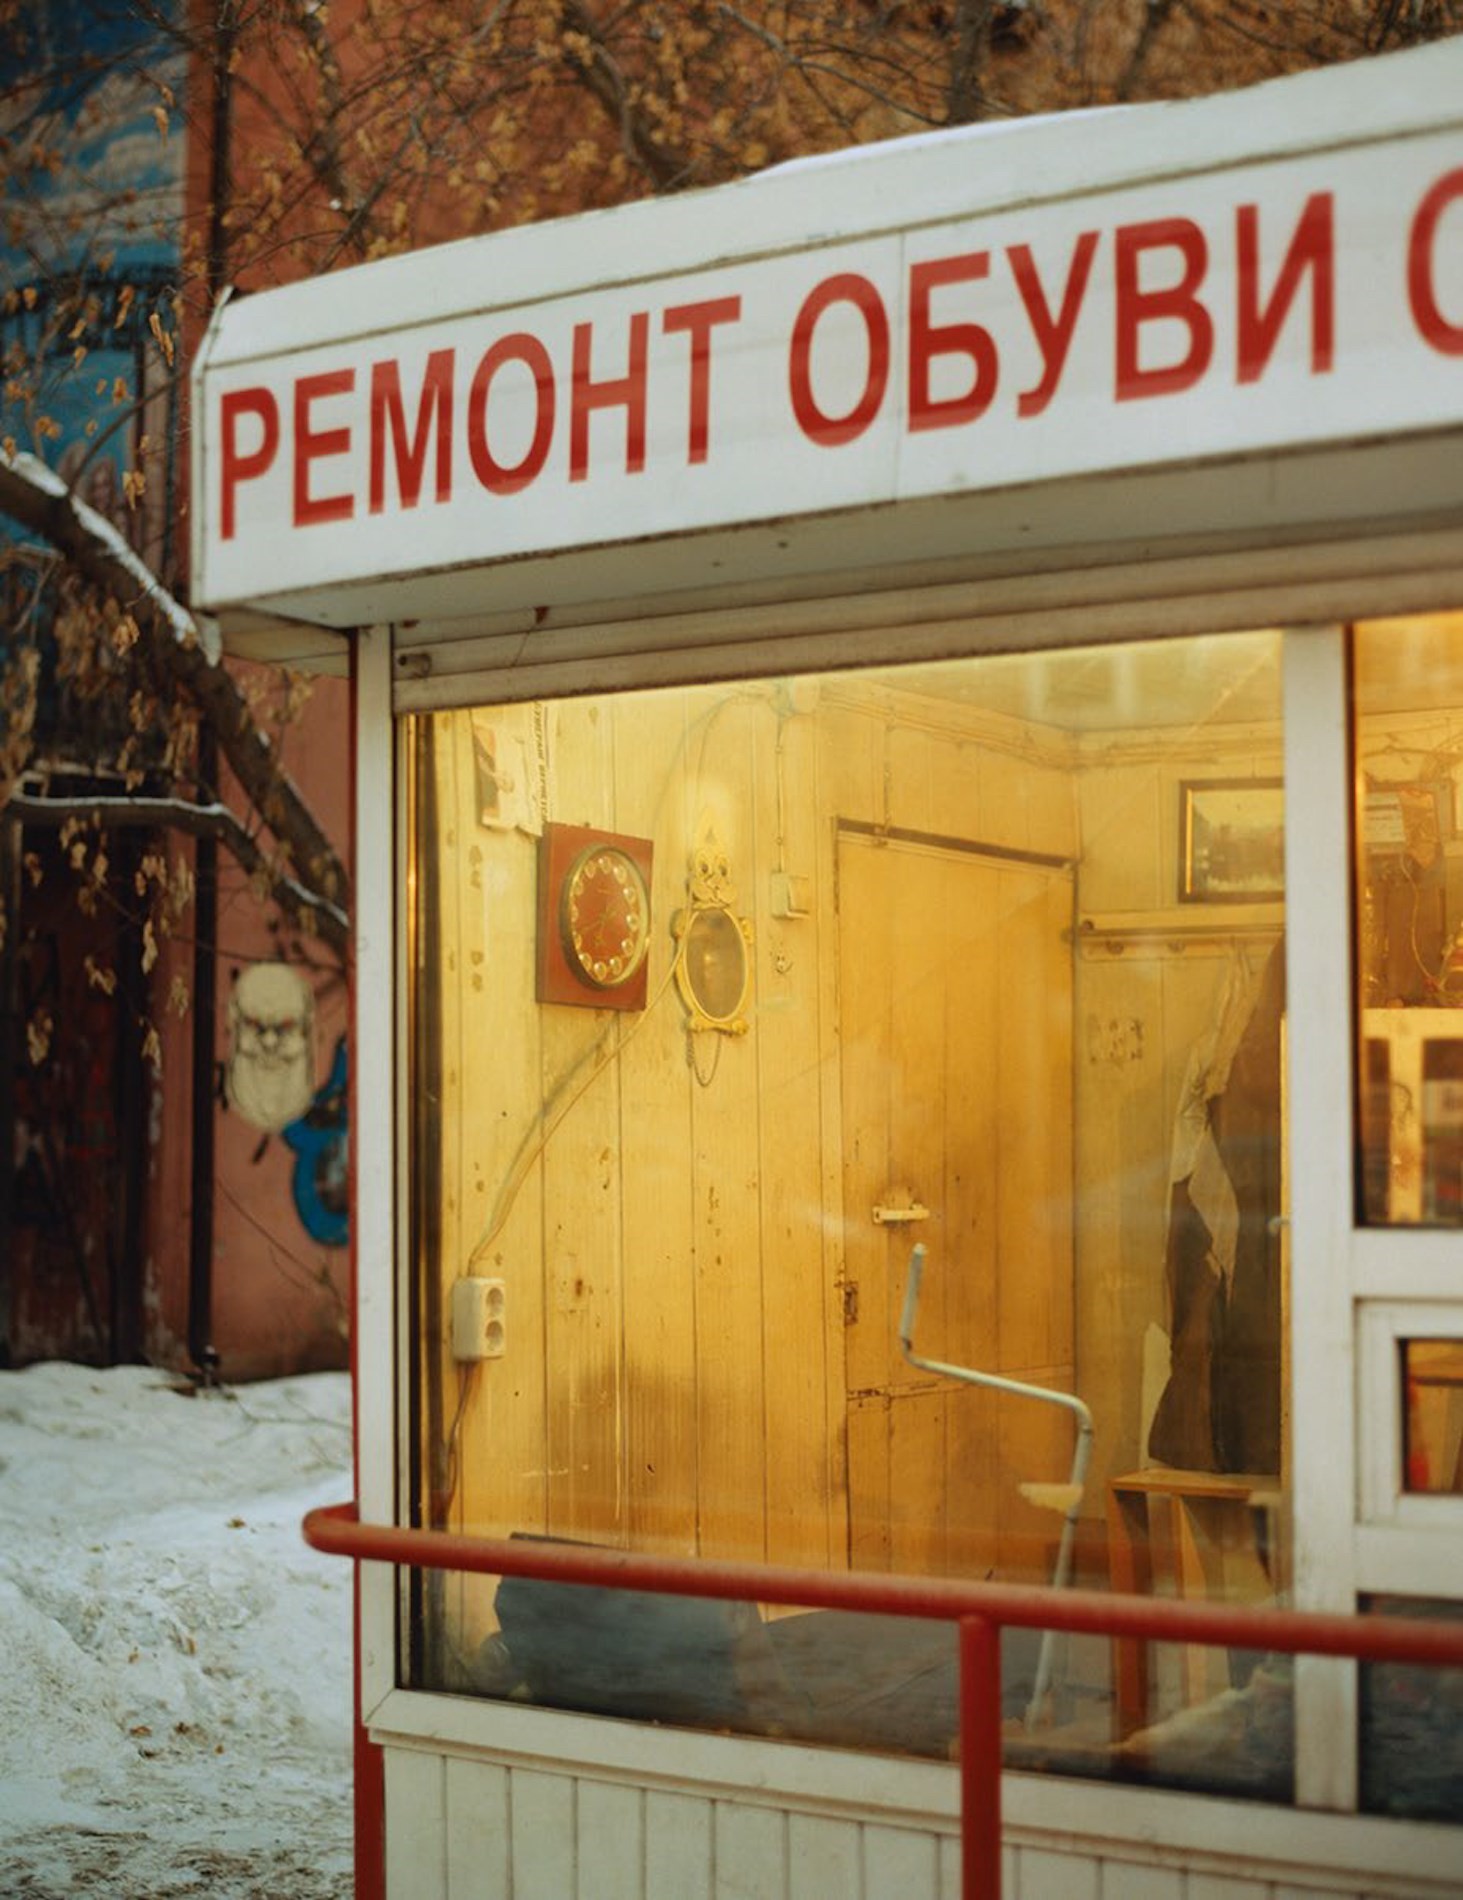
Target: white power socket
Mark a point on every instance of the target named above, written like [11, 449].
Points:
[479, 1314]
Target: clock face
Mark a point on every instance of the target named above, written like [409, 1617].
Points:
[605, 916]
[593, 918]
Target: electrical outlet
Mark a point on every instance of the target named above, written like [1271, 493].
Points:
[479, 1319]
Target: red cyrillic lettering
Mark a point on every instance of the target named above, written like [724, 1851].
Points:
[1435, 328]
[497, 477]
[928, 340]
[1177, 302]
[1053, 334]
[829, 431]
[697, 320]
[1312, 249]
[388, 416]
[312, 444]
[235, 467]
[627, 392]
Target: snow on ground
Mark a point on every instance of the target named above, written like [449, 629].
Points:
[175, 1684]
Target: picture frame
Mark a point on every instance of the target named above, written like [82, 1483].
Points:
[1232, 841]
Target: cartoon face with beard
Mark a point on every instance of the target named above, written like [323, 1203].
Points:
[271, 1066]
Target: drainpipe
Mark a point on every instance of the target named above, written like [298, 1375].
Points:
[205, 862]
[205, 1001]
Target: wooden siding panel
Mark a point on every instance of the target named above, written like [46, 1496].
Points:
[678, 1847]
[1041, 1875]
[726, 1200]
[610, 1823]
[479, 1863]
[659, 1302]
[824, 1857]
[1121, 1880]
[751, 1853]
[900, 1863]
[805, 1505]
[544, 1835]
[416, 1825]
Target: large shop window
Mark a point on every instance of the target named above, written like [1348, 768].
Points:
[1408, 740]
[725, 999]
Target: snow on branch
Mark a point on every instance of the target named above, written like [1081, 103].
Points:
[39, 499]
[120, 811]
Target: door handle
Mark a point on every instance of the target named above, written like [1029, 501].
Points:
[900, 1216]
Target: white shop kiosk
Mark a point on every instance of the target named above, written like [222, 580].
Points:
[914, 699]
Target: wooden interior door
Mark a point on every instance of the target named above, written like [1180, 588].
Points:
[956, 1038]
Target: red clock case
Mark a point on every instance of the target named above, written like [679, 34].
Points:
[559, 978]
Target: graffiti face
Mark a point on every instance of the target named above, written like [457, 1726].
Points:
[271, 1067]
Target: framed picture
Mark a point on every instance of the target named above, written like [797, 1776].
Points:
[1231, 841]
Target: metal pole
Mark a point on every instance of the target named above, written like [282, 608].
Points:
[980, 1758]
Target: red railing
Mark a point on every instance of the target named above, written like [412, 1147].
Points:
[980, 1611]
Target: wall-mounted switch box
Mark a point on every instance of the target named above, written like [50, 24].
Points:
[792, 894]
[479, 1312]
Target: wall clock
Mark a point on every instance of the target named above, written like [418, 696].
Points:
[593, 917]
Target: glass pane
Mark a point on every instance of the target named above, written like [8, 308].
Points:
[1432, 1422]
[1412, 1727]
[1408, 732]
[728, 997]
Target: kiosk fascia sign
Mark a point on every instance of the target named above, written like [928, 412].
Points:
[835, 337]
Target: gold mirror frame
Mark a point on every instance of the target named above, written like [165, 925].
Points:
[713, 965]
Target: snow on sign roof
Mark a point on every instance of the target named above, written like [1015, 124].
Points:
[948, 316]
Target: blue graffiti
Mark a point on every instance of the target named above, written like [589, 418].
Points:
[320, 1139]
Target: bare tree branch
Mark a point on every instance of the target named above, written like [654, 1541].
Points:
[306, 908]
[184, 650]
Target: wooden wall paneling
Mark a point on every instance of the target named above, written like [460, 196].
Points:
[1005, 789]
[726, 1197]
[1051, 804]
[1122, 815]
[824, 1857]
[583, 1187]
[868, 1434]
[751, 1853]
[967, 1245]
[416, 1830]
[1034, 1086]
[908, 776]
[865, 954]
[1035, 1253]
[660, 1419]
[920, 975]
[920, 1482]
[505, 1454]
[544, 1835]
[678, 1846]
[452, 1604]
[799, 1336]
[610, 1822]
[956, 787]
[1121, 1197]
[845, 788]
[479, 1864]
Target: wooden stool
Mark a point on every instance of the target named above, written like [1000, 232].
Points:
[1155, 1508]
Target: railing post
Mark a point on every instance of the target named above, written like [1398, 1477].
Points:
[980, 1758]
